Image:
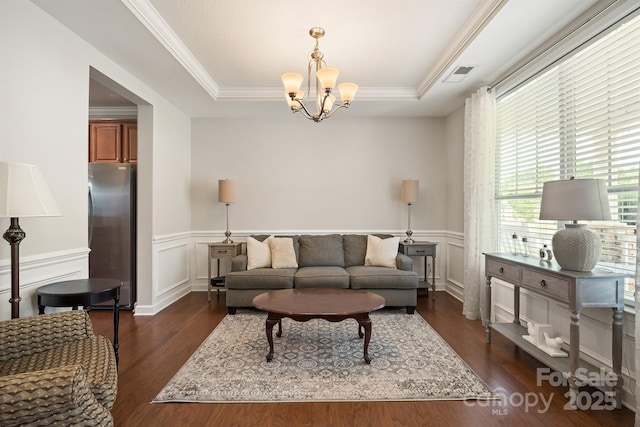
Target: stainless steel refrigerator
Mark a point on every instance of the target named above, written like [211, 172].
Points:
[112, 227]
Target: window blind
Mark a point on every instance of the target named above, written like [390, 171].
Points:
[581, 118]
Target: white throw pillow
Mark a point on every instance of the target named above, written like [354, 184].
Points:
[258, 253]
[381, 252]
[282, 253]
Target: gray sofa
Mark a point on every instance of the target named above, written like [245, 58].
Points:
[332, 260]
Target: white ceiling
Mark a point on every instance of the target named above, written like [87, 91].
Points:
[224, 58]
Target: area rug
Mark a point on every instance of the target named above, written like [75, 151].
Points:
[323, 361]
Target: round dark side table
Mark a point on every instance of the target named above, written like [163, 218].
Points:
[83, 292]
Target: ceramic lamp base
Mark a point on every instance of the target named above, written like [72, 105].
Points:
[576, 248]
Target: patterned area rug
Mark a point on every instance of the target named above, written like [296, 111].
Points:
[323, 361]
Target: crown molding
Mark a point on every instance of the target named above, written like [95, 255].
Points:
[144, 11]
[151, 19]
[275, 94]
[483, 14]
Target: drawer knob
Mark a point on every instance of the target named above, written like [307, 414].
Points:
[501, 269]
[543, 283]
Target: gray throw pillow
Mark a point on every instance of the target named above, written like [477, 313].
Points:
[325, 250]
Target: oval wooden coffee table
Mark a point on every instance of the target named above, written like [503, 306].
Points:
[334, 305]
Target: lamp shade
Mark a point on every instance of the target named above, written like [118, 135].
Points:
[291, 82]
[347, 91]
[574, 200]
[24, 192]
[576, 248]
[409, 193]
[328, 77]
[226, 191]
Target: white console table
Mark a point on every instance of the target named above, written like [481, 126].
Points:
[597, 288]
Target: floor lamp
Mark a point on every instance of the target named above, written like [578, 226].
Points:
[23, 193]
[226, 195]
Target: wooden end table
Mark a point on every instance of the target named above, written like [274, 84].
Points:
[423, 249]
[83, 292]
[218, 251]
[334, 305]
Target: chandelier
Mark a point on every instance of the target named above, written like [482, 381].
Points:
[325, 80]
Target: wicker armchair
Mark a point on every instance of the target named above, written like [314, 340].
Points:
[55, 371]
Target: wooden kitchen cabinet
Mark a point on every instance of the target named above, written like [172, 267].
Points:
[113, 141]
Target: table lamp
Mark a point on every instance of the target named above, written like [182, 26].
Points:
[575, 247]
[227, 195]
[23, 193]
[409, 195]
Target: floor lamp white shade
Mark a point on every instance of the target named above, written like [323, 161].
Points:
[409, 195]
[227, 195]
[575, 247]
[23, 193]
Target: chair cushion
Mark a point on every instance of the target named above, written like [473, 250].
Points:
[260, 278]
[322, 277]
[372, 277]
[94, 354]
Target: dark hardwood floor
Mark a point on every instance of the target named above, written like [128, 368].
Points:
[152, 349]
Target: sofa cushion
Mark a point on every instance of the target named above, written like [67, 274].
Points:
[372, 277]
[325, 250]
[282, 253]
[355, 248]
[260, 278]
[381, 252]
[322, 277]
[258, 253]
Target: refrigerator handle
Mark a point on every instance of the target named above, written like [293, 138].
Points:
[90, 215]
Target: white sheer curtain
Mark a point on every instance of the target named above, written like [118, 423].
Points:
[637, 305]
[479, 207]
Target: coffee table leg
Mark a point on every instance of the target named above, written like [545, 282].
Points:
[365, 323]
[271, 321]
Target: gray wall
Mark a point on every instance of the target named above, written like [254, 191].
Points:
[342, 174]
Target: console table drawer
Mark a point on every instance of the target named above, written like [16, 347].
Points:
[545, 284]
[508, 272]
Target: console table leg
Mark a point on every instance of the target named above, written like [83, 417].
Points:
[616, 352]
[488, 306]
[574, 358]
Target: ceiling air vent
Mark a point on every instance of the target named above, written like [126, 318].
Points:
[458, 74]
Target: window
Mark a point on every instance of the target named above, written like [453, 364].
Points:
[580, 117]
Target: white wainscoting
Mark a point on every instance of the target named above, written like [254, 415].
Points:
[171, 272]
[454, 279]
[39, 270]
